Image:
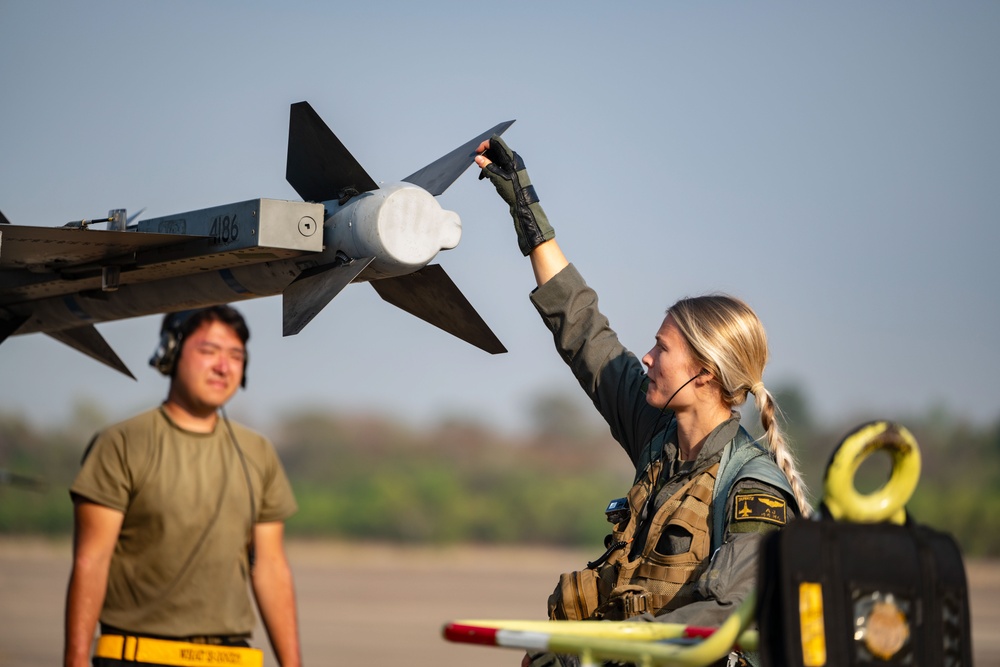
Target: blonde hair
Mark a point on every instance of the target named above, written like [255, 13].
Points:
[729, 341]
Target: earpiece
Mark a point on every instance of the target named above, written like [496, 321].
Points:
[164, 359]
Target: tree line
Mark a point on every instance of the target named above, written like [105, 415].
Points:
[369, 477]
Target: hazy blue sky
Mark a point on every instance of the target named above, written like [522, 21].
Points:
[835, 164]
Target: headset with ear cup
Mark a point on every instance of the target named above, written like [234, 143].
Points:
[165, 357]
[177, 326]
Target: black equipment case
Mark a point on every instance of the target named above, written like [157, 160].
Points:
[847, 594]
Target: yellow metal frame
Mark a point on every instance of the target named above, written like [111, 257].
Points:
[887, 503]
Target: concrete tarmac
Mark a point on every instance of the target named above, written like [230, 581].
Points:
[364, 604]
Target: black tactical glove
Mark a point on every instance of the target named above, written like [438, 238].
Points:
[508, 174]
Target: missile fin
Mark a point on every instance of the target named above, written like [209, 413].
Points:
[9, 325]
[319, 166]
[86, 339]
[310, 292]
[438, 175]
[432, 296]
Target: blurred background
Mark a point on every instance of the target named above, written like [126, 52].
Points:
[833, 165]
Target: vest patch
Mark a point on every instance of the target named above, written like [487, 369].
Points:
[760, 507]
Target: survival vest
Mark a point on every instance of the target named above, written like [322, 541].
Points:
[622, 584]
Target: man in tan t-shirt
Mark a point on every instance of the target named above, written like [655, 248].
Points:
[176, 511]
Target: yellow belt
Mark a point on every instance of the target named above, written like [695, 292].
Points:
[181, 654]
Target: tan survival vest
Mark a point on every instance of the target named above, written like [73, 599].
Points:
[619, 588]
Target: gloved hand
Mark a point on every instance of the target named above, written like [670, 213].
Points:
[508, 174]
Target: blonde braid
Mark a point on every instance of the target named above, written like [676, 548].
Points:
[779, 447]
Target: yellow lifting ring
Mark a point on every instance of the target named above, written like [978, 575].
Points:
[887, 503]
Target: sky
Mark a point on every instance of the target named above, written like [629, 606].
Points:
[833, 164]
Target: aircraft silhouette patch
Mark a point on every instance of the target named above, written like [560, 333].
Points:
[760, 507]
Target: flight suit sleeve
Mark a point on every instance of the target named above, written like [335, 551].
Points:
[610, 374]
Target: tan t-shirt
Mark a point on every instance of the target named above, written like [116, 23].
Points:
[180, 567]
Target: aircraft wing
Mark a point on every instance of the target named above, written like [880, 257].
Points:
[39, 262]
[47, 249]
[42, 262]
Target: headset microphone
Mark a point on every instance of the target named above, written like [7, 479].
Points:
[703, 371]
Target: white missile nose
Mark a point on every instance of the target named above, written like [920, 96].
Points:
[413, 227]
[451, 228]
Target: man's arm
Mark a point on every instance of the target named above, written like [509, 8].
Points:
[274, 590]
[95, 534]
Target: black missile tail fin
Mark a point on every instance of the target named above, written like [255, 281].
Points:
[432, 296]
[86, 339]
[319, 166]
[310, 292]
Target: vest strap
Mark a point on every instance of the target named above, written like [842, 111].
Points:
[743, 458]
